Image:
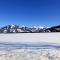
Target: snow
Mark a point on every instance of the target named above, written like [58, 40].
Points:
[31, 37]
[41, 54]
[30, 54]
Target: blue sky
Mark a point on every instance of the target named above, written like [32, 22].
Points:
[30, 12]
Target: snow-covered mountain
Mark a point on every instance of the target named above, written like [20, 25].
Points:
[23, 29]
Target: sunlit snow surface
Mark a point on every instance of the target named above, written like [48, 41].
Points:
[29, 51]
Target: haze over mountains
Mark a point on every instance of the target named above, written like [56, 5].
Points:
[23, 29]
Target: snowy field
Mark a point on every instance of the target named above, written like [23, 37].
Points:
[27, 54]
[31, 37]
[30, 46]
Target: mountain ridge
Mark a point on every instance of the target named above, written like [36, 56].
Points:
[24, 29]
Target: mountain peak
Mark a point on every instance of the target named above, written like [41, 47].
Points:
[24, 29]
